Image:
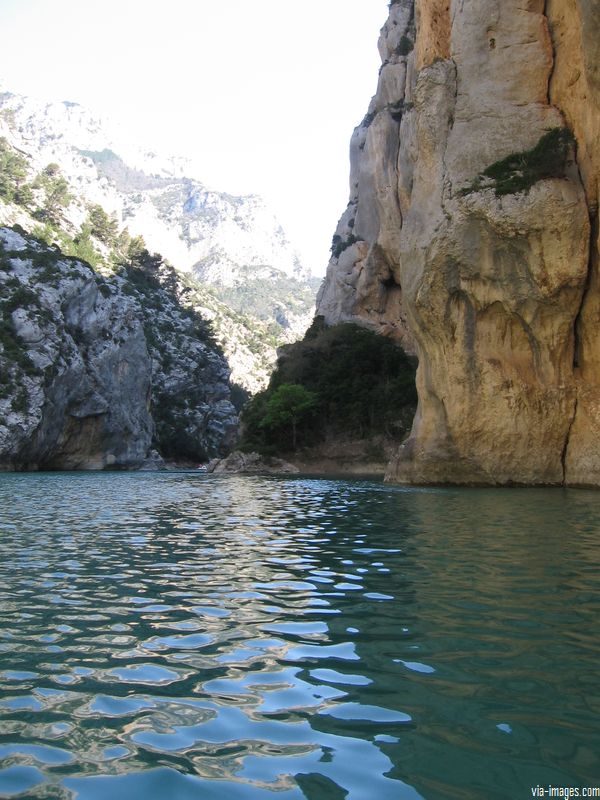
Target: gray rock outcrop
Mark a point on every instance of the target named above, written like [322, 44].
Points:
[85, 359]
[251, 463]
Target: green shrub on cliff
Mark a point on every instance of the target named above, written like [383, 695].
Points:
[339, 244]
[518, 172]
[103, 226]
[404, 47]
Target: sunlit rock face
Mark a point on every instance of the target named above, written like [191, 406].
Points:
[575, 90]
[362, 281]
[492, 279]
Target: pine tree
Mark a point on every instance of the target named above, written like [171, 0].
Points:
[13, 175]
[103, 226]
[56, 194]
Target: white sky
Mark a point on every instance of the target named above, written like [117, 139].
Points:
[262, 94]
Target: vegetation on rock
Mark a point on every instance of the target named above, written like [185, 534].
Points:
[339, 244]
[341, 380]
[73, 317]
[56, 195]
[405, 46]
[13, 175]
[103, 226]
[263, 309]
[518, 172]
[287, 407]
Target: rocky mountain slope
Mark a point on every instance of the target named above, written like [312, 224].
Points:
[103, 371]
[472, 237]
[233, 245]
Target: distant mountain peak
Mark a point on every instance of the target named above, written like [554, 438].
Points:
[233, 244]
[157, 196]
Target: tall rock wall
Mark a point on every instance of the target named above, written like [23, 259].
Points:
[575, 89]
[101, 372]
[471, 235]
[75, 373]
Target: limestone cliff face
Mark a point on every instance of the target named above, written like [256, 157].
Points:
[471, 235]
[575, 89]
[102, 372]
[74, 367]
[362, 282]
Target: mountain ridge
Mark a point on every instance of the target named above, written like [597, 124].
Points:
[88, 152]
[222, 240]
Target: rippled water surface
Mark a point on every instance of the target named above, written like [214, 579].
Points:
[192, 636]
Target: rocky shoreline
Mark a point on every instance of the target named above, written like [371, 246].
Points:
[250, 463]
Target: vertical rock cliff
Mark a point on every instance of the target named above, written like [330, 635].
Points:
[575, 89]
[471, 235]
[102, 371]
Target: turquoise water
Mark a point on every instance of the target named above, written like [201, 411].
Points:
[192, 636]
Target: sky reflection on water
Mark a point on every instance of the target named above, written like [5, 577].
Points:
[184, 635]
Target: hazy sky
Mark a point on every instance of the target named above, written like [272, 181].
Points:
[262, 95]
